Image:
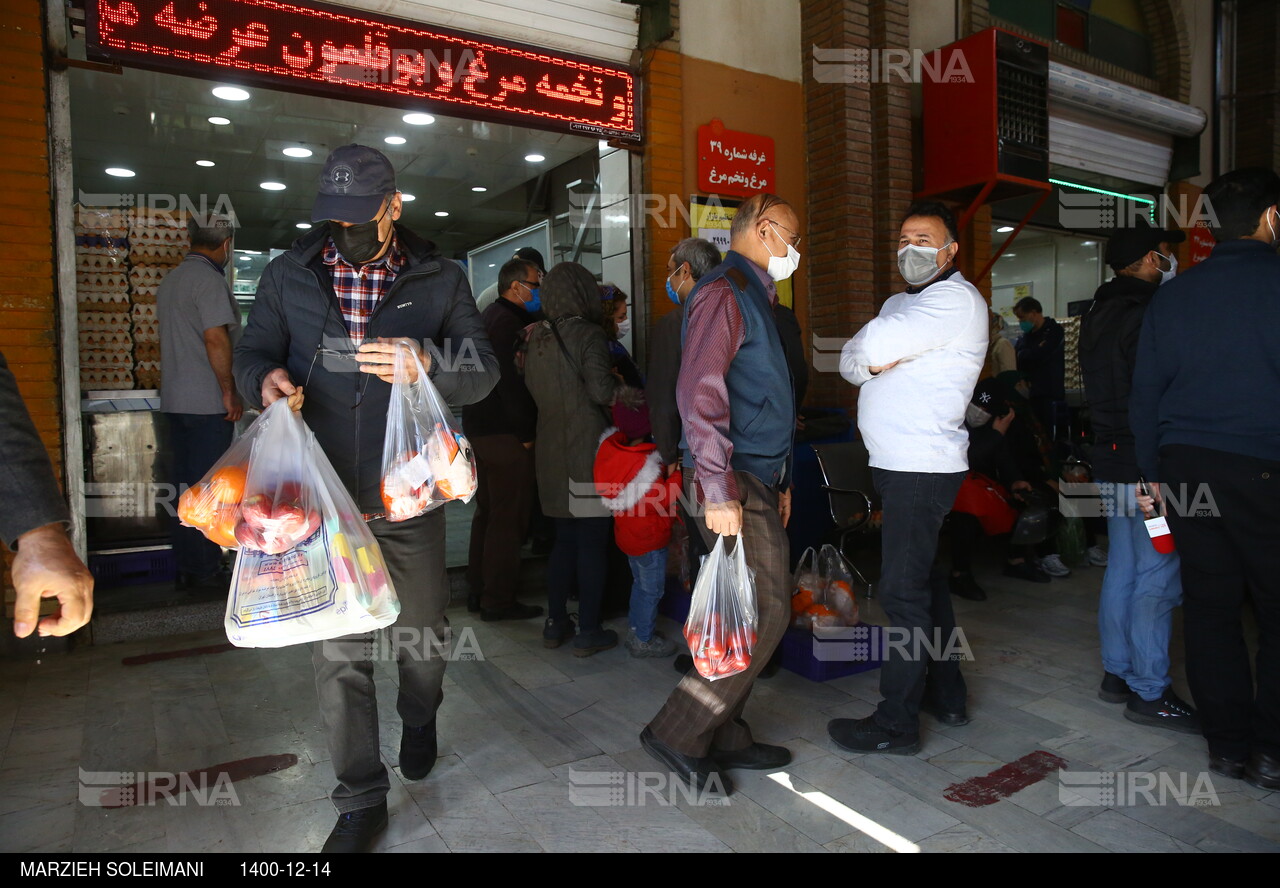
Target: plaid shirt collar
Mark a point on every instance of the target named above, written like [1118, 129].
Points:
[360, 288]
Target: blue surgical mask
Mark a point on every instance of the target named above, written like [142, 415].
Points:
[672, 293]
[1026, 326]
[535, 300]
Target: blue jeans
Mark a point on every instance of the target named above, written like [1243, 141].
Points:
[1139, 592]
[649, 576]
[196, 442]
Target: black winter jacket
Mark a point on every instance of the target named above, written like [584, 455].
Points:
[1108, 353]
[296, 323]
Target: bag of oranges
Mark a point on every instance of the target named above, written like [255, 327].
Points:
[807, 589]
[212, 506]
[721, 629]
[426, 461]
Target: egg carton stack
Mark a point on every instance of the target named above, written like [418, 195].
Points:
[1071, 343]
[102, 294]
[156, 244]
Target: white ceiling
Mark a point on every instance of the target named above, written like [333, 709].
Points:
[157, 125]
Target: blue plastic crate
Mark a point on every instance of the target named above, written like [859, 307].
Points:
[831, 653]
[138, 567]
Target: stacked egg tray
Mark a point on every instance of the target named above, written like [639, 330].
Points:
[122, 255]
[1073, 380]
[102, 296]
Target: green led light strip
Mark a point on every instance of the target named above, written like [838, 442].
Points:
[1133, 197]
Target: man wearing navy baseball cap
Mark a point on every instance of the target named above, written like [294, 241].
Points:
[325, 319]
[1141, 586]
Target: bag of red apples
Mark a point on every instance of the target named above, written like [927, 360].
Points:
[426, 462]
[308, 568]
[721, 629]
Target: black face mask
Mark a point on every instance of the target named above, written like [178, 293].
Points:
[359, 244]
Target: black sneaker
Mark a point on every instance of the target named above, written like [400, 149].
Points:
[418, 749]
[588, 643]
[864, 735]
[1114, 689]
[557, 632]
[1025, 570]
[355, 831]
[964, 586]
[1169, 711]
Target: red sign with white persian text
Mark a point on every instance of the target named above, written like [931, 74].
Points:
[732, 162]
[362, 56]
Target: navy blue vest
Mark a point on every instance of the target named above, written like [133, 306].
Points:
[762, 411]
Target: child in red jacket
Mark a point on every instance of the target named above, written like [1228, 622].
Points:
[629, 477]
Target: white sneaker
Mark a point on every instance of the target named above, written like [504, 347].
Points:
[1097, 557]
[1053, 566]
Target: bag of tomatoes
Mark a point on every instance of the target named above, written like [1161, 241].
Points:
[808, 587]
[721, 629]
[426, 461]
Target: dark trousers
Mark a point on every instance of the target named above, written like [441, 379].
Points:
[702, 715]
[414, 554]
[196, 441]
[914, 599]
[504, 499]
[1228, 547]
[579, 560]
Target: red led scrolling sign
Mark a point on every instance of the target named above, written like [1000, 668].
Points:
[360, 56]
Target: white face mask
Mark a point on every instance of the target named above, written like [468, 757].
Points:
[975, 417]
[919, 265]
[1166, 276]
[1275, 242]
[624, 328]
[781, 267]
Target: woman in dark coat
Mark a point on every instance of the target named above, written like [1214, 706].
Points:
[569, 373]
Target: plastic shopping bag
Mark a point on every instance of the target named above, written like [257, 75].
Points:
[332, 583]
[721, 629]
[425, 460]
[839, 585]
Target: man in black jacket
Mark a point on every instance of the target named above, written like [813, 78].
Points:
[325, 317]
[501, 429]
[1141, 586]
[1205, 414]
[1041, 359]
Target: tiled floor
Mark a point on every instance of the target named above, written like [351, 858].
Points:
[519, 727]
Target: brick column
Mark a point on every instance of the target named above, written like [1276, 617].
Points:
[28, 334]
[860, 172]
[663, 168]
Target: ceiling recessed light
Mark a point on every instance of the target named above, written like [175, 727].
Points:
[250, 252]
[219, 121]
[204, 163]
[441, 213]
[230, 93]
[479, 189]
[534, 158]
[303, 225]
[271, 186]
[395, 140]
[244, 258]
[1088, 243]
[1004, 229]
[1008, 255]
[120, 172]
[297, 152]
[416, 119]
[404, 196]
[492, 264]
